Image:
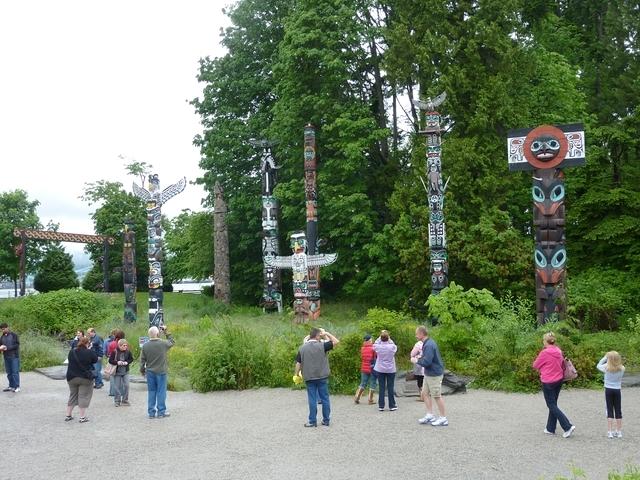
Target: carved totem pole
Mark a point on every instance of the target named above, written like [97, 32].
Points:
[155, 199]
[435, 191]
[311, 199]
[221, 283]
[546, 150]
[272, 291]
[129, 271]
[301, 263]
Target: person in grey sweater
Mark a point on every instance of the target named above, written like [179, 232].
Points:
[153, 364]
[611, 366]
[313, 362]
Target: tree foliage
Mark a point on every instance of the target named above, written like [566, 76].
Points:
[55, 272]
[351, 68]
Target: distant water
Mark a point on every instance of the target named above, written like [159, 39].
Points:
[8, 292]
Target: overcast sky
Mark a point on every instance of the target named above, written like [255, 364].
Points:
[82, 82]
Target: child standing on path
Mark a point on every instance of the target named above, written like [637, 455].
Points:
[123, 358]
[611, 366]
[367, 356]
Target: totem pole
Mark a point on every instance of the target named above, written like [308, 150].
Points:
[129, 271]
[301, 263]
[155, 199]
[435, 192]
[271, 293]
[311, 198]
[221, 284]
[546, 150]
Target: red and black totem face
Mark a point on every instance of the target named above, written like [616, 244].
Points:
[545, 147]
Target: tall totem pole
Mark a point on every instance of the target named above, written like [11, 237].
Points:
[272, 290]
[311, 199]
[435, 191]
[155, 199]
[129, 271]
[546, 150]
[221, 280]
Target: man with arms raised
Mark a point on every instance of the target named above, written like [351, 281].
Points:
[153, 364]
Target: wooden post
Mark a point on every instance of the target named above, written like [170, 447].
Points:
[221, 282]
[105, 266]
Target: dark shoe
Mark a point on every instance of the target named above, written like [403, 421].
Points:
[151, 417]
[99, 386]
[310, 424]
[125, 403]
[8, 389]
[83, 419]
[68, 418]
[326, 424]
[117, 404]
[393, 409]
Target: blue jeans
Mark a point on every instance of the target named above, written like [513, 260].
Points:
[551, 392]
[318, 388]
[12, 367]
[157, 393]
[367, 378]
[97, 367]
[386, 381]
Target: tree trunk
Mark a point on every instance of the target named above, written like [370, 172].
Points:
[221, 283]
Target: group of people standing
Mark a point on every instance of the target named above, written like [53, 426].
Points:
[85, 367]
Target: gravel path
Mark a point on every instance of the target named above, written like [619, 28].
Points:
[258, 434]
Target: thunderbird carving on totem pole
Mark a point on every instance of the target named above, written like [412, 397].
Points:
[300, 263]
[155, 199]
[546, 150]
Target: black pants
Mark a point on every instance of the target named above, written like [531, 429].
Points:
[613, 397]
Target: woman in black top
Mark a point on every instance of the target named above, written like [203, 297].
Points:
[80, 375]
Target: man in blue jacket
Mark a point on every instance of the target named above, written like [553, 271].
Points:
[97, 347]
[433, 374]
[10, 348]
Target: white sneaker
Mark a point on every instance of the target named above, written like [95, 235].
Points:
[568, 433]
[611, 435]
[428, 418]
[16, 389]
[440, 422]
[548, 432]
[618, 434]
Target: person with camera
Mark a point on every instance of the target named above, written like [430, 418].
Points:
[153, 364]
[313, 362]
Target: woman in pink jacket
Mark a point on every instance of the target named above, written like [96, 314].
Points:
[549, 363]
[386, 368]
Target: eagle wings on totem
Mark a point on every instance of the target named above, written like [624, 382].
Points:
[167, 193]
[319, 260]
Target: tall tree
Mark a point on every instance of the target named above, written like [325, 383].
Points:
[189, 242]
[55, 272]
[16, 211]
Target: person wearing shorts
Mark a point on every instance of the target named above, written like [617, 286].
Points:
[431, 361]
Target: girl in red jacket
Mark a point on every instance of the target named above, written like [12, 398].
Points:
[367, 375]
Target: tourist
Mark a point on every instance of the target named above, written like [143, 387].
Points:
[10, 348]
[549, 363]
[312, 360]
[117, 335]
[153, 364]
[431, 361]
[74, 342]
[123, 358]
[80, 375]
[386, 369]
[611, 366]
[96, 346]
[367, 360]
[418, 371]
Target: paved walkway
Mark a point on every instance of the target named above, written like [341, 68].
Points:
[258, 434]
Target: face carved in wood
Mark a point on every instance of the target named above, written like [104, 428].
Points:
[545, 147]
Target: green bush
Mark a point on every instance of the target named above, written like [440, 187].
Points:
[59, 313]
[37, 351]
[401, 328]
[232, 358]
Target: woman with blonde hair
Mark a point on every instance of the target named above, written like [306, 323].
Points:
[80, 376]
[611, 366]
[549, 363]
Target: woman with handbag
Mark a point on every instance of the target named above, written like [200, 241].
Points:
[549, 363]
[80, 375]
[121, 358]
[418, 371]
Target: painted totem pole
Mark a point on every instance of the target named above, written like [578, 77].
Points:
[311, 199]
[221, 282]
[155, 199]
[546, 150]
[272, 291]
[301, 263]
[435, 191]
[129, 271]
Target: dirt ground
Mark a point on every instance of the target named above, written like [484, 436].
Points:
[258, 434]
